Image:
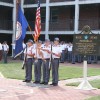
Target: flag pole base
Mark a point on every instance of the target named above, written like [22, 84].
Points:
[85, 85]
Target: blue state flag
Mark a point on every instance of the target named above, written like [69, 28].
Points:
[21, 27]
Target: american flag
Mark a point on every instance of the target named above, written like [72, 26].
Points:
[37, 23]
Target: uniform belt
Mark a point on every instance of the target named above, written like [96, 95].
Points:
[47, 58]
[56, 58]
[39, 59]
[29, 58]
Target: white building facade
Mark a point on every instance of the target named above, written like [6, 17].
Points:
[59, 17]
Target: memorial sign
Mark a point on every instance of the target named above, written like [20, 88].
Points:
[86, 44]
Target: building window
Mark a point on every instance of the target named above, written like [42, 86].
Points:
[43, 15]
[54, 15]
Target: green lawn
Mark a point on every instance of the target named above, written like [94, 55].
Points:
[94, 98]
[13, 70]
[94, 83]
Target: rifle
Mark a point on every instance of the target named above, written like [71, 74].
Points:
[50, 59]
[25, 57]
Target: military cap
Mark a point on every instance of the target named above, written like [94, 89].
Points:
[30, 41]
[47, 40]
[56, 39]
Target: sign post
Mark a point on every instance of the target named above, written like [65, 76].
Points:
[85, 85]
[86, 44]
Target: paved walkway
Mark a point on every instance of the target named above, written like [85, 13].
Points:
[17, 90]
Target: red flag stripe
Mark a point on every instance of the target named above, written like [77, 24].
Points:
[37, 23]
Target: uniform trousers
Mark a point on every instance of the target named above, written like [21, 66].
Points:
[37, 70]
[55, 67]
[69, 56]
[46, 70]
[95, 58]
[89, 59]
[28, 69]
[73, 58]
[5, 56]
[79, 58]
[63, 56]
[0, 55]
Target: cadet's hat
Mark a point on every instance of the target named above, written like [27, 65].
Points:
[56, 39]
[40, 41]
[47, 40]
[30, 41]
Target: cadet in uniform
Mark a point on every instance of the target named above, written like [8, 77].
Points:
[13, 49]
[63, 52]
[0, 51]
[79, 58]
[5, 51]
[46, 50]
[56, 54]
[89, 59]
[69, 47]
[29, 54]
[38, 62]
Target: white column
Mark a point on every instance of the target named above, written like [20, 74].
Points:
[14, 21]
[22, 3]
[76, 23]
[47, 20]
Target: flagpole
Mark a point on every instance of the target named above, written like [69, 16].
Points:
[17, 4]
[29, 28]
[31, 31]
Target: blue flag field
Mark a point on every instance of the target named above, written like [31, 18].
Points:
[21, 27]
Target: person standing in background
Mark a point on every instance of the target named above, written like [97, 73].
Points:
[69, 48]
[13, 49]
[5, 51]
[0, 51]
[62, 59]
